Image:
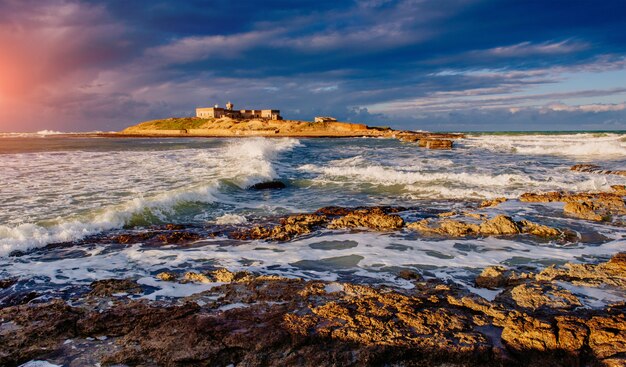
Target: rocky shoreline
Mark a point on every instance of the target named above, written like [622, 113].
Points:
[534, 317]
[257, 320]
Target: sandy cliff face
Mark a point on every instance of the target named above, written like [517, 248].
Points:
[193, 126]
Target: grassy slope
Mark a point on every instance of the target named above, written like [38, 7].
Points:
[175, 123]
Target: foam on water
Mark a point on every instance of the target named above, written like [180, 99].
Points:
[62, 196]
[575, 145]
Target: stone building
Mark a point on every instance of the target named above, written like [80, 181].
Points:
[325, 119]
[217, 112]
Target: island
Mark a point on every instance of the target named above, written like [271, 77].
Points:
[228, 122]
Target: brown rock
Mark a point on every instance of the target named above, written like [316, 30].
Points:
[491, 203]
[374, 218]
[109, 287]
[167, 276]
[607, 335]
[583, 211]
[592, 168]
[6, 283]
[534, 296]
[499, 225]
[194, 277]
[619, 190]
[612, 273]
[435, 143]
[491, 277]
[538, 229]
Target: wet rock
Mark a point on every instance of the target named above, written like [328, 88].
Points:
[269, 185]
[290, 227]
[607, 336]
[374, 218]
[435, 143]
[109, 287]
[167, 276]
[132, 237]
[590, 206]
[264, 320]
[491, 277]
[409, 275]
[28, 331]
[498, 226]
[539, 230]
[612, 273]
[6, 283]
[491, 203]
[178, 237]
[534, 296]
[619, 190]
[193, 277]
[583, 210]
[592, 168]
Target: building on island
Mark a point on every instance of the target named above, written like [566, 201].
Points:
[217, 112]
[324, 119]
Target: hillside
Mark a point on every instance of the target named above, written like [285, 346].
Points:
[194, 126]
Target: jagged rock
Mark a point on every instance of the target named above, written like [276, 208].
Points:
[435, 143]
[374, 218]
[409, 275]
[583, 210]
[611, 273]
[290, 227]
[109, 287]
[538, 229]
[619, 190]
[167, 276]
[194, 277]
[6, 283]
[590, 206]
[499, 225]
[491, 277]
[592, 168]
[535, 296]
[269, 185]
[178, 237]
[491, 203]
[607, 336]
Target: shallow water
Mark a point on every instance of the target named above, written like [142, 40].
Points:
[56, 189]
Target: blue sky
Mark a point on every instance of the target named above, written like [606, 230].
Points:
[460, 65]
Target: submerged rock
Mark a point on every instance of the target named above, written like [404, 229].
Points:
[268, 185]
[491, 203]
[590, 206]
[109, 287]
[592, 168]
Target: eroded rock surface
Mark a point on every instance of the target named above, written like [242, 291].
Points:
[590, 206]
[271, 321]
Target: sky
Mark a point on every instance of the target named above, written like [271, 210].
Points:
[441, 65]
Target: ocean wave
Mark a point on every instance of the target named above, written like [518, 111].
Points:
[254, 160]
[575, 145]
[138, 211]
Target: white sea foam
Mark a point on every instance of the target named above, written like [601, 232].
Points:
[254, 158]
[72, 194]
[575, 145]
[230, 219]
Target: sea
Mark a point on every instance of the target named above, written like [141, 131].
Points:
[61, 194]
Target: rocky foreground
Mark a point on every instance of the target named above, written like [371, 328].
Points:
[246, 319]
[256, 320]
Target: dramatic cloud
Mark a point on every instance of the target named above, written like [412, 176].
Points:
[442, 65]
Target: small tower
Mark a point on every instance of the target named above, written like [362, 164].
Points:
[229, 106]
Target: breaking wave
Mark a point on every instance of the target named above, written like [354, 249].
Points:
[574, 145]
